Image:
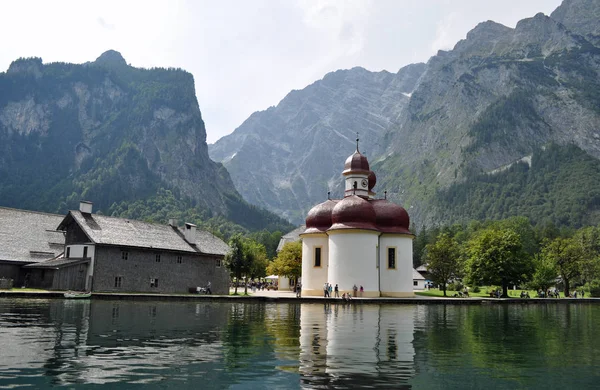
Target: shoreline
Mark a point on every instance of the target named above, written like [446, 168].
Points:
[286, 297]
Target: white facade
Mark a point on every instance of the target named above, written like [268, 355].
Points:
[396, 281]
[353, 260]
[314, 275]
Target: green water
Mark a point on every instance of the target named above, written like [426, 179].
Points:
[166, 345]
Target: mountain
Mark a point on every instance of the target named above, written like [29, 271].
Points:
[115, 135]
[497, 107]
[288, 157]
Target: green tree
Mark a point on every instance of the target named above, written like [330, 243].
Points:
[545, 273]
[443, 260]
[288, 262]
[566, 254]
[589, 240]
[236, 260]
[258, 260]
[496, 256]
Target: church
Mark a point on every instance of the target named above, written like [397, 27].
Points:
[358, 240]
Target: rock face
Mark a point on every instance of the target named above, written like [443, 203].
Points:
[288, 157]
[105, 132]
[496, 97]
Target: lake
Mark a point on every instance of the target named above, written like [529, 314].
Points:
[213, 345]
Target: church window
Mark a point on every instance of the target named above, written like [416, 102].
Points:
[317, 257]
[392, 258]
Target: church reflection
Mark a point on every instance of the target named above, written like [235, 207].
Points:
[354, 345]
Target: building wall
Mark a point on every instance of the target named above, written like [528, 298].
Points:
[141, 266]
[396, 282]
[353, 260]
[420, 284]
[70, 278]
[313, 278]
[40, 278]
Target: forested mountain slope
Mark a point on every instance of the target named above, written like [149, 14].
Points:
[115, 135]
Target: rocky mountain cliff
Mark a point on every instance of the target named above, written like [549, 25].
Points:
[110, 133]
[500, 96]
[288, 157]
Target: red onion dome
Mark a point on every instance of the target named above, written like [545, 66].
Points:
[353, 212]
[319, 217]
[390, 217]
[357, 163]
[372, 180]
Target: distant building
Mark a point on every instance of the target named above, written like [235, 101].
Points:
[101, 253]
[418, 281]
[27, 237]
[358, 240]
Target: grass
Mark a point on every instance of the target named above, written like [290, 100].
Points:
[434, 292]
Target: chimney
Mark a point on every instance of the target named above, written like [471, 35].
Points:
[172, 222]
[190, 233]
[85, 206]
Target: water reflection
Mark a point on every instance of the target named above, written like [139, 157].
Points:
[210, 345]
[357, 345]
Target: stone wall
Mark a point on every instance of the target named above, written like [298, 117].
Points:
[141, 266]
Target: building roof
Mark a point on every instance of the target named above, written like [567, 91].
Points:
[58, 263]
[417, 275]
[422, 268]
[104, 230]
[29, 236]
[292, 236]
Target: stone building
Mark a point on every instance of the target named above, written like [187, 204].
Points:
[100, 253]
[358, 240]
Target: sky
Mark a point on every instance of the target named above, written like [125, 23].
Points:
[246, 55]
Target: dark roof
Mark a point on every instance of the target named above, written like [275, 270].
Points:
[210, 244]
[58, 263]
[29, 236]
[292, 236]
[104, 230]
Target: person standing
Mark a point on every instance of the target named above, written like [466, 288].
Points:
[361, 290]
[329, 289]
[337, 291]
[354, 290]
[208, 290]
[325, 290]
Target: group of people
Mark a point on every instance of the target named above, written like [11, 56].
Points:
[328, 288]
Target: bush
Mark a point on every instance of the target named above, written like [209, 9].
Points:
[593, 288]
[475, 289]
[455, 286]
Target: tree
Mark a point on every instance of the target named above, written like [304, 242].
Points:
[566, 254]
[496, 256]
[443, 260]
[236, 260]
[545, 273]
[589, 240]
[288, 262]
[257, 254]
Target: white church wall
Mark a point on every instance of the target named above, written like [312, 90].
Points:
[352, 260]
[396, 282]
[313, 277]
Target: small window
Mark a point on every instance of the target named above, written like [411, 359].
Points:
[118, 281]
[317, 257]
[157, 258]
[68, 252]
[392, 258]
[415, 283]
[218, 263]
[179, 260]
[153, 282]
[124, 255]
[85, 252]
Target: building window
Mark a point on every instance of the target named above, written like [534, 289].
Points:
[179, 260]
[124, 255]
[85, 252]
[392, 258]
[68, 252]
[153, 282]
[218, 263]
[415, 283]
[317, 257]
[118, 281]
[157, 258]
